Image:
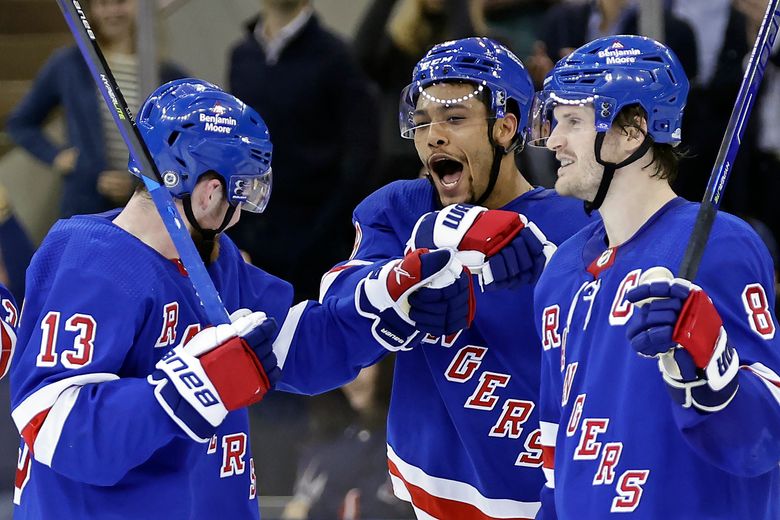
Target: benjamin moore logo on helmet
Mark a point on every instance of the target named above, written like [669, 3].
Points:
[617, 55]
[213, 123]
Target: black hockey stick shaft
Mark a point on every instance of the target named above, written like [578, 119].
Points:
[724, 163]
[201, 281]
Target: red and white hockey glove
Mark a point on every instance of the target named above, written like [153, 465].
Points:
[219, 370]
[428, 292]
[503, 247]
[7, 347]
[676, 322]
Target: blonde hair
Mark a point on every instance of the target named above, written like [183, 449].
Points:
[412, 33]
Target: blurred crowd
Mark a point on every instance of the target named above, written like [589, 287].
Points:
[331, 106]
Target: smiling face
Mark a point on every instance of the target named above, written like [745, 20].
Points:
[451, 140]
[572, 139]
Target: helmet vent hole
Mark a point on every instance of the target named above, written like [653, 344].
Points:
[180, 161]
[172, 138]
[188, 125]
[656, 59]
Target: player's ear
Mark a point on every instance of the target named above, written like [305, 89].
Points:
[635, 133]
[504, 129]
[207, 192]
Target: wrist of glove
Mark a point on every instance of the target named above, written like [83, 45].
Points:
[502, 247]
[677, 323]
[219, 370]
[428, 292]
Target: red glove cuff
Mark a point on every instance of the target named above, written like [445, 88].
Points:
[491, 231]
[236, 373]
[698, 327]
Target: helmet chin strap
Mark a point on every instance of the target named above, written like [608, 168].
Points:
[610, 168]
[209, 235]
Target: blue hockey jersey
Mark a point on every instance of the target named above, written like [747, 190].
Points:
[463, 433]
[101, 309]
[615, 442]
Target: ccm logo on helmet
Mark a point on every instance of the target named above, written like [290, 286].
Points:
[430, 63]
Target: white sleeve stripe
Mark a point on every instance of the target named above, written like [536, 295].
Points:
[549, 475]
[330, 277]
[286, 334]
[45, 397]
[768, 377]
[549, 433]
[49, 434]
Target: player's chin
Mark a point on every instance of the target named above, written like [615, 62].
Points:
[564, 188]
[461, 194]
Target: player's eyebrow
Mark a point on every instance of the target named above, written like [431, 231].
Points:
[445, 108]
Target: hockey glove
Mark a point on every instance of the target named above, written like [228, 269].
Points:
[7, 346]
[425, 291]
[676, 322]
[220, 369]
[502, 246]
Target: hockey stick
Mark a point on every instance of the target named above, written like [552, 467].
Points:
[724, 163]
[199, 277]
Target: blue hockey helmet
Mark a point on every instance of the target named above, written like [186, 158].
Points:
[192, 127]
[481, 61]
[611, 73]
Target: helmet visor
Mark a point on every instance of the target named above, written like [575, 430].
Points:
[543, 120]
[250, 192]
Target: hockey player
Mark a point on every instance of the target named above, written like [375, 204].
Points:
[127, 409]
[660, 397]
[463, 433]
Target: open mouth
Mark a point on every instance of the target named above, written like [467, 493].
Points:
[448, 170]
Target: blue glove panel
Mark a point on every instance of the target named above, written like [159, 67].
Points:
[650, 328]
[519, 263]
[261, 340]
[442, 311]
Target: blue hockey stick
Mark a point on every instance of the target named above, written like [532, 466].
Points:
[204, 287]
[731, 141]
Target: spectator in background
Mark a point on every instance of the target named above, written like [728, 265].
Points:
[388, 47]
[320, 109]
[723, 43]
[342, 473]
[93, 162]
[568, 26]
[756, 192]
